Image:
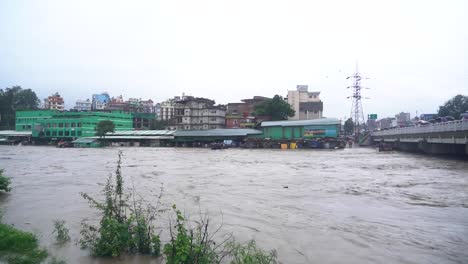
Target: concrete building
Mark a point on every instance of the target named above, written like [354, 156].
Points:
[100, 101]
[403, 119]
[167, 108]
[192, 113]
[240, 115]
[54, 102]
[306, 104]
[82, 105]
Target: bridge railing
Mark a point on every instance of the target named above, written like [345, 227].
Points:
[452, 126]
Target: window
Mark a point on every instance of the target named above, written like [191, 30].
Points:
[60, 124]
[48, 125]
[66, 124]
[54, 125]
[79, 133]
[78, 124]
[73, 124]
[67, 133]
[60, 133]
[54, 133]
[72, 133]
[47, 133]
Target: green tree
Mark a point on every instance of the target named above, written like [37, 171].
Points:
[13, 99]
[158, 124]
[277, 108]
[349, 126]
[4, 182]
[104, 127]
[454, 107]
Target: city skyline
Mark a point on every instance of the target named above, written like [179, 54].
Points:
[413, 52]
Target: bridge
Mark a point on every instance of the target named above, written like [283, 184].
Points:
[439, 138]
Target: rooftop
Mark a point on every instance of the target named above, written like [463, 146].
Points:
[220, 132]
[314, 122]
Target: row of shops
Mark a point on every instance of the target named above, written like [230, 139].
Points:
[78, 130]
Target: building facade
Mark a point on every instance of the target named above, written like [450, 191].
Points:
[68, 125]
[100, 101]
[307, 105]
[54, 102]
[241, 115]
[192, 113]
[83, 105]
[301, 129]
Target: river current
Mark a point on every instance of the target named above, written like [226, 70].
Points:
[311, 206]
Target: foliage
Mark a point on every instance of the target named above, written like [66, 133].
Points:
[4, 182]
[19, 247]
[61, 232]
[158, 124]
[103, 127]
[250, 254]
[191, 245]
[125, 226]
[454, 107]
[277, 108]
[349, 126]
[13, 99]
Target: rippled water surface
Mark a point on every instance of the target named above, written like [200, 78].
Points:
[344, 206]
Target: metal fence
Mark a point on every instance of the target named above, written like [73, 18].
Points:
[452, 126]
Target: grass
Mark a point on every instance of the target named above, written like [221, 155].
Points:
[19, 247]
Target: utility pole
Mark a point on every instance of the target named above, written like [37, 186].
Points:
[357, 113]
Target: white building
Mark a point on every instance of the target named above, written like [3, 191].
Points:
[54, 102]
[82, 105]
[306, 104]
[193, 113]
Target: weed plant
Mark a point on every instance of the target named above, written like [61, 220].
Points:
[61, 232]
[4, 182]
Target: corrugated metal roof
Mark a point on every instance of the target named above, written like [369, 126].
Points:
[217, 132]
[316, 122]
[15, 133]
[138, 137]
[85, 140]
[142, 133]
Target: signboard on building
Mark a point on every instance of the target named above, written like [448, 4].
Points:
[372, 116]
[320, 131]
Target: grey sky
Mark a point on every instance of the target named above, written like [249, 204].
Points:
[414, 51]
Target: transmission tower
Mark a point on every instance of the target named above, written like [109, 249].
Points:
[357, 113]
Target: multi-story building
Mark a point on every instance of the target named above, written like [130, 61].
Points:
[192, 113]
[306, 104]
[82, 105]
[240, 115]
[403, 119]
[54, 102]
[167, 109]
[62, 125]
[100, 101]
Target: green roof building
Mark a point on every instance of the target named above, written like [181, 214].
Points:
[50, 124]
[301, 129]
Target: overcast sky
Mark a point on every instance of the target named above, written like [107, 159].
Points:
[415, 52]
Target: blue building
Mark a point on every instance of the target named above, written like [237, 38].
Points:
[100, 101]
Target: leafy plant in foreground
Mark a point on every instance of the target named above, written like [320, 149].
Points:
[4, 182]
[250, 254]
[61, 232]
[125, 225]
[19, 247]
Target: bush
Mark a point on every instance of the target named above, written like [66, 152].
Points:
[4, 182]
[61, 232]
[125, 226]
[250, 254]
[188, 245]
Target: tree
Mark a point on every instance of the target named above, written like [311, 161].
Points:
[454, 107]
[158, 124]
[4, 182]
[277, 108]
[349, 126]
[13, 99]
[104, 127]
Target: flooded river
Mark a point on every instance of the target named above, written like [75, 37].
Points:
[344, 206]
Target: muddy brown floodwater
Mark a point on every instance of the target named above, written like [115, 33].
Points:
[344, 206]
